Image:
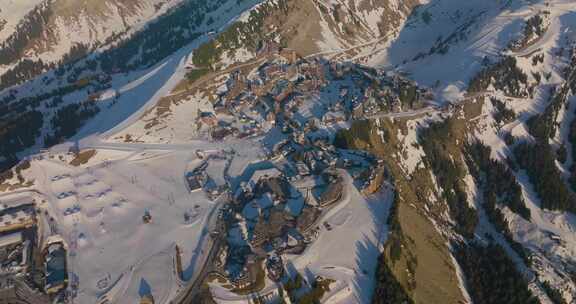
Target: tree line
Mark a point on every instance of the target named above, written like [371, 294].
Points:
[491, 276]
[504, 76]
[449, 176]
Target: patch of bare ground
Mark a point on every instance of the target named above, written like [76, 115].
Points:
[8, 175]
[417, 251]
[128, 138]
[188, 86]
[300, 28]
[83, 157]
[424, 248]
[161, 110]
[72, 9]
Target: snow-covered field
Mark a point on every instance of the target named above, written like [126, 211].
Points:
[99, 209]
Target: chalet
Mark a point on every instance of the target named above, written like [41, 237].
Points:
[18, 232]
[260, 176]
[309, 85]
[275, 268]
[333, 117]
[357, 110]
[257, 87]
[17, 217]
[263, 105]
[242, 195]
[260, 233]
[257, 206]
[280, 145]
[279, 187]
[208, 118]
[219, 133]
[271, 118]
[14, 253]
[294, 238]
[242, 280]
[271, 71]
[337, 70]
[303, 170]
[300, 137]
[282, 90]
[333, 190]
[196, 181]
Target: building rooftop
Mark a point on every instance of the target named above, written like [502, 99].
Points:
[262, 174]
[55, 264]
[14, 217]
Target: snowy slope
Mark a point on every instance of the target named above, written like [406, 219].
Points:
[11, 12]
[142, 152]
[467, 32]
[71, 23]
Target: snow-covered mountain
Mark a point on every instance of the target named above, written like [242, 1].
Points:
[445, 128]
[48, 30]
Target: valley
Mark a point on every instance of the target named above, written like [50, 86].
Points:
[287, 151]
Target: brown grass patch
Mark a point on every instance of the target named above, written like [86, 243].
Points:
[83, 157]
[424, 266]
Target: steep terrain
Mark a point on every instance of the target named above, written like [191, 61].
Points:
[47, 30]
[45, 33]
[451, 125]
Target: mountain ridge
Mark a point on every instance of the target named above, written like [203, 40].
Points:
[451, 126]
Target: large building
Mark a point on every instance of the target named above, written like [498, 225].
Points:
[17, 247]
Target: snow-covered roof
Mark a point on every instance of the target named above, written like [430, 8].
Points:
[254, 209]
[16, 215]
[267, 173]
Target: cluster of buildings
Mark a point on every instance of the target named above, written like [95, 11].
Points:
[198, 179]
[269, 95]
[255, 98]
[274, 218]
[277, 208]
[32, 270]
